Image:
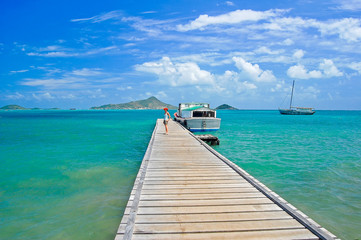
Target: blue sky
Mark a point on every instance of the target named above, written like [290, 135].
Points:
[245, 53]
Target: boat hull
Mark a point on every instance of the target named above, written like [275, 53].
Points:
[200, 124]
[296, 112]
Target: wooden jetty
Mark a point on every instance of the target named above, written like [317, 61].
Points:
[186, 190]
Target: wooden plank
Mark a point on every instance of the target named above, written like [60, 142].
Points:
[183, 159]
[213, 217]
[227, 226]
[187, 174]
[206, 170]
[180, 178]
[178, 155]
[179, 162]
[186, 169]
[189, 182]
[190, 173]
[181, 151]
[191, 191]
[145, 197]
[175, 167]
[206, 209]
[196, 186]
[286, 234]
[187, 159]
[204, 202]
[183, 164]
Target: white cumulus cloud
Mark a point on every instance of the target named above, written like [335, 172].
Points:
[299, 71]
[232, 82]
[253, 71]
[327, 69]
[288, 42]
[177, 74]
[298, 53]
[289, 24]
[348, 29]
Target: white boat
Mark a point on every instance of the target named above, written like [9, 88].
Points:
[296, 110]
[197, 117]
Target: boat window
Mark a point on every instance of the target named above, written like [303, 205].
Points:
[203, 114]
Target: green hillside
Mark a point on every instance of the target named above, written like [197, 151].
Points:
[150, 103]
[13, 107]
[225, 107]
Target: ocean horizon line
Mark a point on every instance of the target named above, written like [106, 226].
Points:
[142, 109]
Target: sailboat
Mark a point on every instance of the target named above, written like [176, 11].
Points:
[296, 110]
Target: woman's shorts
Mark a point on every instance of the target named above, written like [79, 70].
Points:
[165, 122]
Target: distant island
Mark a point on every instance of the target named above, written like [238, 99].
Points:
[149, 103]
[226, 107]
[13, 107]
[17, 107]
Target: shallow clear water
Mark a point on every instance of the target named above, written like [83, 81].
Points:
[68, 174]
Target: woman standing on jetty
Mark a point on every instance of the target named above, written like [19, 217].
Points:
[166, 119]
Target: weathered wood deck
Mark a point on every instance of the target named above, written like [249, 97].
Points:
[186, 190]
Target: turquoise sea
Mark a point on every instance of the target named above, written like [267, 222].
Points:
[68, 174]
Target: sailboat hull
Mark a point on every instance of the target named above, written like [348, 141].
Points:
[296, 111]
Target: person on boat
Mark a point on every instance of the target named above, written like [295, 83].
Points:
[166, 119]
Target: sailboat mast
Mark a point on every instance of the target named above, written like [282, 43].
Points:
[293, 85]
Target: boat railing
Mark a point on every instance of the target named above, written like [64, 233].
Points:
[304, 108]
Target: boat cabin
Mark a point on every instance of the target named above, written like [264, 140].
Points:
[188, 110]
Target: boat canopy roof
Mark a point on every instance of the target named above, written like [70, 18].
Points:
[199, 108]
